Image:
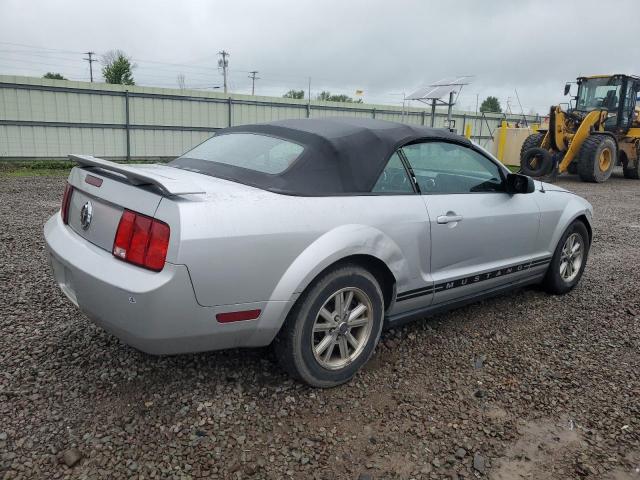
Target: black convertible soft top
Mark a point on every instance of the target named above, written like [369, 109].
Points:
[342, 156]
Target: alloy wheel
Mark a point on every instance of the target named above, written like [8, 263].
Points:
[571, 257]
[342, 328]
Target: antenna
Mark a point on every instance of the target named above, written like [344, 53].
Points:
[526, 123]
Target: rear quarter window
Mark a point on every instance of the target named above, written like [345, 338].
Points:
[261, 153]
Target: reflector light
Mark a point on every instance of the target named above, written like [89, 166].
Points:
[237, 316]
[141, 240]
[66, 199]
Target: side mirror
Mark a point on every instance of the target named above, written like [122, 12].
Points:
[567, 88]
[517, 183]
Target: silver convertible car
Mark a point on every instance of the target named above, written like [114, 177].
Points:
[309, 234]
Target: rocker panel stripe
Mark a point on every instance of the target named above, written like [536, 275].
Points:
[470, 280]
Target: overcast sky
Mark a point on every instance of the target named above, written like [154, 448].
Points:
[382, 47]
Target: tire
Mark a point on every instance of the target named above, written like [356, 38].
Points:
[298, 345]
[573, 168]
[557, 281]
[597, 158]
[536, 162]
[632, 171]
[532, 141]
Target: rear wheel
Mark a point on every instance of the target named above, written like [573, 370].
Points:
[632, 169]
[569, 260]
[333, 329]
[597, 158]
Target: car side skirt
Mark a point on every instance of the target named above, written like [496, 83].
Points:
[406, 317]
[472, 279]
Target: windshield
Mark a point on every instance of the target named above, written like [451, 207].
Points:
[261, 153]
[595, 93]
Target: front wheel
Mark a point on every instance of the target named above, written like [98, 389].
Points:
[569, 260]
[597, 158]
[333, 329]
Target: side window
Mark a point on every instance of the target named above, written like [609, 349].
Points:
[442, 167]
[394, 178]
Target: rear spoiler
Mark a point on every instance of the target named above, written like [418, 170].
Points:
[141, 175]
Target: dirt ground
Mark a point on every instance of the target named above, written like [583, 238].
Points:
[525, 385]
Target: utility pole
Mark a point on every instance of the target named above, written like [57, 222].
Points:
[252, 76]
[224, 64]
[309, 90]
[90, 59]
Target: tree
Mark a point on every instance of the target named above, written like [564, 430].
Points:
[117, 68]
[297, 94]
[328, 97]
[53, 76]
[491, 105]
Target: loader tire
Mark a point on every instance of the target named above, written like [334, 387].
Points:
[597, 158]
[536, 162]
[572, 168]
[632, 170]
[532, 141]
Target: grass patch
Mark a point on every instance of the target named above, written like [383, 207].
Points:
[26, 168]
[39, 172]
[37, 168]
[37, 165]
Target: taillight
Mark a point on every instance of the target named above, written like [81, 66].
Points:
[66, 199]
[141, 240]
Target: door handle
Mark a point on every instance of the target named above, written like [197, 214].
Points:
[450, 217]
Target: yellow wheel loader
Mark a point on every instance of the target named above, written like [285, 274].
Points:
[599, 130]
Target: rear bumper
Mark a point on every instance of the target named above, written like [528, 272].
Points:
[153, 312]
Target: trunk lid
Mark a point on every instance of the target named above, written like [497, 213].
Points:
[103, 189]
[168, 180]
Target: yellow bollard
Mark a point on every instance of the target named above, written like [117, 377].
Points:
[467, 131]
[502, 139]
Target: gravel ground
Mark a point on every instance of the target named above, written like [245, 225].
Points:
[522, 386]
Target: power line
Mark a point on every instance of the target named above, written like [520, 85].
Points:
[252, 76]
[56, 63]
[90, 59]
[29, 53]
[154, 72]
[41, 51]
[293, 76]
[39, 48]
[224, 64]
[47, 53]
